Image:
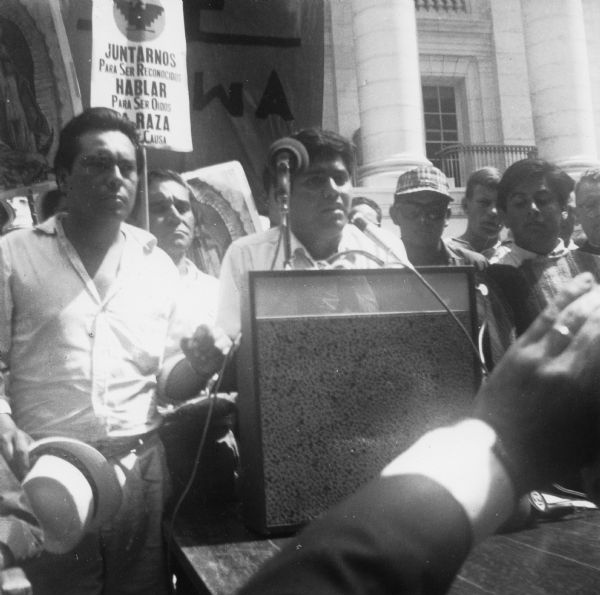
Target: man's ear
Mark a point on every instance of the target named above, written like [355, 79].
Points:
[394, 214]
[447, 217]
[465, 202]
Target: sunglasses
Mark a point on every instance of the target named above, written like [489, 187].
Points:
[99, 164]
[411, 210]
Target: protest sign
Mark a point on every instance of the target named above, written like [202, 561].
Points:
[139, 68]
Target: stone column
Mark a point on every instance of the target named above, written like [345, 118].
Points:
[559, 82]
[389, 89]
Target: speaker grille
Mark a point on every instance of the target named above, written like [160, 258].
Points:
[333, 399]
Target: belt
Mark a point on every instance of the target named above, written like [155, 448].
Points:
[114, 448]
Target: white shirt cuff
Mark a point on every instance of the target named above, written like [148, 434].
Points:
[461, 459]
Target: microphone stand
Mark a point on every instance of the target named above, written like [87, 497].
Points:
[286, 154]
[378, 237]
[282, 194]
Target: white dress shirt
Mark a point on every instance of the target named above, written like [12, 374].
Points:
[264, 251]
[197, 299]
[80, 365]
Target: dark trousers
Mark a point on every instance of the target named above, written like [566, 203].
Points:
[128, 555]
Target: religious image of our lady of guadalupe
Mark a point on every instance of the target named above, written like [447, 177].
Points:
[25, 134]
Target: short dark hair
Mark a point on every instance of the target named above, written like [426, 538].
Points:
[92, 119]
[538, 169]
[168, 174]
[320, 144]
[50, 203]
[488, 177]
[590, 176]
[364, 200]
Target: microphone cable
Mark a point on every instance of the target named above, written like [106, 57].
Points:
[277, 248]
[473, 346]
[477, 349]
[211, 390]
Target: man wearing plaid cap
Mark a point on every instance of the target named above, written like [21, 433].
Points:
[421, 209]
[321, 237]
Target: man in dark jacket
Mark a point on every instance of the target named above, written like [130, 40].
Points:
[422, 208]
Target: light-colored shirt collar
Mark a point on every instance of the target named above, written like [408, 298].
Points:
[91, 361]
[300, 252]
[145, 239]
[517, 255]
[351, 240]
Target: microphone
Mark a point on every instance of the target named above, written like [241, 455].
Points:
[383, 239]
[287, 154]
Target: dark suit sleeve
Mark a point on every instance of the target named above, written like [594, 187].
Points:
[400, 534]
[511, 286]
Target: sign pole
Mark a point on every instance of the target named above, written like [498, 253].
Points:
[143, 213]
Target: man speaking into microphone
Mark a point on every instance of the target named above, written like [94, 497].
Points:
[316, 207]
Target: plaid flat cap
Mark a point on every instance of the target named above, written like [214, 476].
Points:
[424, 178]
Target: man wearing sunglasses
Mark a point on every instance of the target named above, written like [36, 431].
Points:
[87, 304]
[174, 222]
[421, 209]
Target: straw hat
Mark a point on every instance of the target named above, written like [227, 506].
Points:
[72, 489]
[425, 178]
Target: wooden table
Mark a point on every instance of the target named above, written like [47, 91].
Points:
[216, 554]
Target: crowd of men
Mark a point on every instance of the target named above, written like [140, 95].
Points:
[102, 321]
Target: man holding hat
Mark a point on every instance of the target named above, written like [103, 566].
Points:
[421, 209]
[87, 303]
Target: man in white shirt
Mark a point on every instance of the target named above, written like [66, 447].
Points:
[483, 222]
[320, 235]
[172, 222]
[87, 303]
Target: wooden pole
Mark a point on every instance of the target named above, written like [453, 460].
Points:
[143, 212]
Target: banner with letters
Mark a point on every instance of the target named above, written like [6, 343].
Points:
[255, 71]
[139, 68]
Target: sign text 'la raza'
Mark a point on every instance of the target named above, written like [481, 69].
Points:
[139, 68]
